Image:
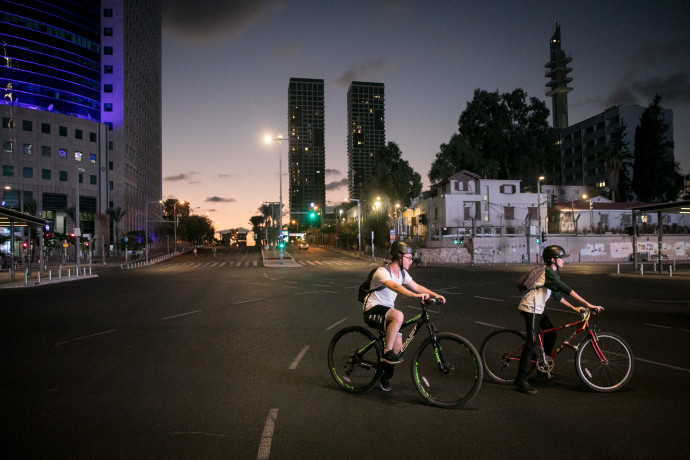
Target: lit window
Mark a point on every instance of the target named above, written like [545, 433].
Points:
[77, 156]
[92, 158]
[28, 149]
[62, 153]
[7, 146]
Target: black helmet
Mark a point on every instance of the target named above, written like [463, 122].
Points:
[552, 252]
[399, 248]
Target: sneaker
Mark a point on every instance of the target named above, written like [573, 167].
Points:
[523, 387]
[391, 357]
[385, 384]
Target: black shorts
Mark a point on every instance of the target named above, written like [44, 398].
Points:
[375, 317]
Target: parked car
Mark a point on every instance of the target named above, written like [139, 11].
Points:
[303, 245]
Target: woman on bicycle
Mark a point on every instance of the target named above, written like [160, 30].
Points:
[532, 307]
[379, 306]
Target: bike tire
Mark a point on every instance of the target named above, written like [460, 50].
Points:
[461, 378]
[500, 353]
[608, 376]
[354, 366]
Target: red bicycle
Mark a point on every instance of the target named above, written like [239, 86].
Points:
[603, 360]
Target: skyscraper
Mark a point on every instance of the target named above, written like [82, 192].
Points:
[81, 90]
[557, 73]
[366, 133]
[307, 152]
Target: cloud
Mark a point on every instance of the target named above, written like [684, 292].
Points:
[208, 19]
[333, 172]
[180, 177]
[288, 50]
[364, 71]
[217, 199]
[224, 176]
[674, 89]
[337, 185]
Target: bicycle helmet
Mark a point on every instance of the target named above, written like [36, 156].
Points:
[553, 252]
[398, 248]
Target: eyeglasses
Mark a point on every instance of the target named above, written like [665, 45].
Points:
[408, 258]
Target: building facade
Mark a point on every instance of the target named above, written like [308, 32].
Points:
[81, 87]
[307, 151]
[366, 133]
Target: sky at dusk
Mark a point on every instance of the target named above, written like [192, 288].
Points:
[227, 66]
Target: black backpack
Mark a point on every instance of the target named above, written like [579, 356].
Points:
[365, 287]
[528, 281]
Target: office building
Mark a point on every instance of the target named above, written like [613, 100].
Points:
[307, 152]
[81, 90]
[366, 133]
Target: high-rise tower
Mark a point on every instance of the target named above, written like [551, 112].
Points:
[366, 133]
[307, 152]
[558, 71]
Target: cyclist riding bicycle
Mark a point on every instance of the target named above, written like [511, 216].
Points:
[379, 306]
[532, 307]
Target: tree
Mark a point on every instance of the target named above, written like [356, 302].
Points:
[198, 229]
[256, 222]
[502, 136]
[655, 173]
[116, 215]
[615, 158]
[394, 177]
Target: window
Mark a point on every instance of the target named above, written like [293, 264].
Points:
[108, 31]
[45, 174]
[107, 12]
[7, 122]
[108, 50]
[45, 150]
[108, 88]
[92, 179]
[27, 125]
[8, 170]
[7, 146]
[110, 165]
[45, 128]
[110, 185]
[507, 189]
[62, 153]
[108, 107]
[63, 176]
[509, 212]
[92, 158]
[28, 173]
[92, 137]
[28, 149]
[78, 134]
[62, 130]
[77, 156]
[107, 69]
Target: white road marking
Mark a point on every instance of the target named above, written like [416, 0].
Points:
[85, 337]
[667, 327]
[267, 436]
[183, 314]
[335, 324]
[489, 298]
[300, 355]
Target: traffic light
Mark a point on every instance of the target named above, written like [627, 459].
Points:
[25, 244]
[537, 239]
[543, 237]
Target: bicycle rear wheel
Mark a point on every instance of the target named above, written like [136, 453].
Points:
[500, 353]
[447, 375]
[353, 358]
[610, 373]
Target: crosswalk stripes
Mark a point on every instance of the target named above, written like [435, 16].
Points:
[255, 263]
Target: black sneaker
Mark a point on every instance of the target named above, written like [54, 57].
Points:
[385, 384]
[523, 387]
[391, 357]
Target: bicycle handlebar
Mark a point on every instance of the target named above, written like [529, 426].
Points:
[430, 301]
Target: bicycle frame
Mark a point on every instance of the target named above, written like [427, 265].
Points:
[581, 326]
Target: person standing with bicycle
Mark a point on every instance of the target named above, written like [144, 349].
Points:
[379, 305]
[532, 306]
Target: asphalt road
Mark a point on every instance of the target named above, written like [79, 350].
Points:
[220, 357]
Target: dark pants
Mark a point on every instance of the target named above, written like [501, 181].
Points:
[541, 322]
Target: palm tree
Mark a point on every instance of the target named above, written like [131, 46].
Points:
[256, 222]
[116, 214]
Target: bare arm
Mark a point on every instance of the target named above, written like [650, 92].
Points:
[421, 290]
[577, 297]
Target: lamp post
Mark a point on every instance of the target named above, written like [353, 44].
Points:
[591, 212]
[359, 228]
[146, 208]
[280, 140]
[77, 221]
[175, 221]
[541, 178]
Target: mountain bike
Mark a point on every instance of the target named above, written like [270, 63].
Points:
[446, 368]
[603, 360]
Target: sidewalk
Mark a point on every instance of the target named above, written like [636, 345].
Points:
[270, 260]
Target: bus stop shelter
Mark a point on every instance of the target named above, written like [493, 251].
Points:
[674, 207]
[15, 219]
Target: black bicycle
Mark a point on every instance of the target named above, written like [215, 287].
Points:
[446, 368]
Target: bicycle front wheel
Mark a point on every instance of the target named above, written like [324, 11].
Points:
[500, 353]
[353, 358]
[604, 365]
[447, 373]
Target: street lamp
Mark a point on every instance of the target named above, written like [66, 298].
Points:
[146, 212]
[359, 228]
[77, 229]
[541, 178]
[280, 177]
[591, 212]
[175, 221]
